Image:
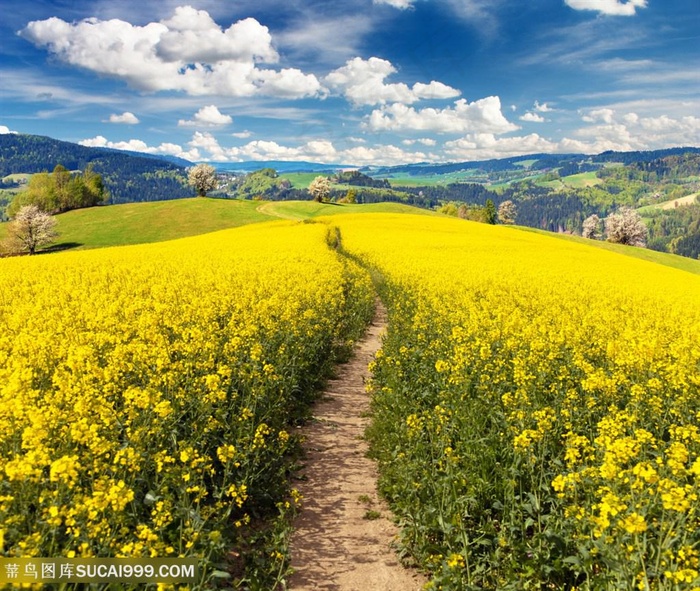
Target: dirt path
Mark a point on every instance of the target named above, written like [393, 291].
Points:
[270, 209]
[343, 533]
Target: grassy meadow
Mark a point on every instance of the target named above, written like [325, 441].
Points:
[534, 404]
[574, 181]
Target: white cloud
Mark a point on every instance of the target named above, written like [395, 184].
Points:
[629, 131]
[481, 116]
[136, 145]
[401, 4]
[319, 150]
[362, 83]
[532, 118]
[599, 115]
[542, 108]
[425, 141]
[4, 130]
[242, 134]
[193, 36]
[611, 7]
[188, 52]
[126, 117]
[383, 155]
[434, 90]
[484, 146]
[208, 116]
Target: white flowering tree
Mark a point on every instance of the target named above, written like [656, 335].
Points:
[507, 212]
[626, 227]
[592, 228]
[30, 229]
[203, 178]
[320, 189]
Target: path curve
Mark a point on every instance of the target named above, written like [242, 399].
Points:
[343, 534]
[268, 208]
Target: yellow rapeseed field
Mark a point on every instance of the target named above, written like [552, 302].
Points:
[536, 403]
[536, 407]
[146, 392]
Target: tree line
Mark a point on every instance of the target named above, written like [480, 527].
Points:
[61, 191]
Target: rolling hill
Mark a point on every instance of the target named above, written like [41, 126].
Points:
[139, 223]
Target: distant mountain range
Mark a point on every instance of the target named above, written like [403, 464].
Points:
[135, 176]
[534, 161]
[23, 153]
[279, 165]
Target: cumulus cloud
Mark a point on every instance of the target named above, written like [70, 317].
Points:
[629, 131]
[609, 131]
[611, 7]
[362, 83]
[481, 116]
[4, 130]
[542, 108]
[208, 116]
[318, 150]
[188, 52]
[599, 116]
[125, 117]
[242, 134]
[532, 118]
[136, 145]
[193, 36]
[483, 146]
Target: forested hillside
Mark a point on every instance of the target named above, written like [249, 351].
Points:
[127, 176]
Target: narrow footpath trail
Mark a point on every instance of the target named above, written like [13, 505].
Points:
[343, 534]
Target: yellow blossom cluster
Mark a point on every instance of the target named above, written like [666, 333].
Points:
[146, 391]
[565, 381]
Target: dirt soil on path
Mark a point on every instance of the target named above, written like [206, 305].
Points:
[343, 534]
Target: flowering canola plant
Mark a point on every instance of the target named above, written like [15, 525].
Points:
[536, 406]
[146, 392]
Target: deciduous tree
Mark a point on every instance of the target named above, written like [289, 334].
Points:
[320, 189]
[30, 229]
[507, 212]
[591, 228]
[203, 178]
[60, 191]
[626, 227]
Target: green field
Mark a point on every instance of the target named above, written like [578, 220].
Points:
[299, 180]
[136, 223]
[430, 180]
[574, 181]
[666, 205]
[302, 210]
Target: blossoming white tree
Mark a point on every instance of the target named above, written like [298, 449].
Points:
[30, 229]
[591, 228]
[320, 188]
[203, 178]
[626, 227]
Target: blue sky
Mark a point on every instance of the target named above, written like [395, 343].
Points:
[353, 81]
